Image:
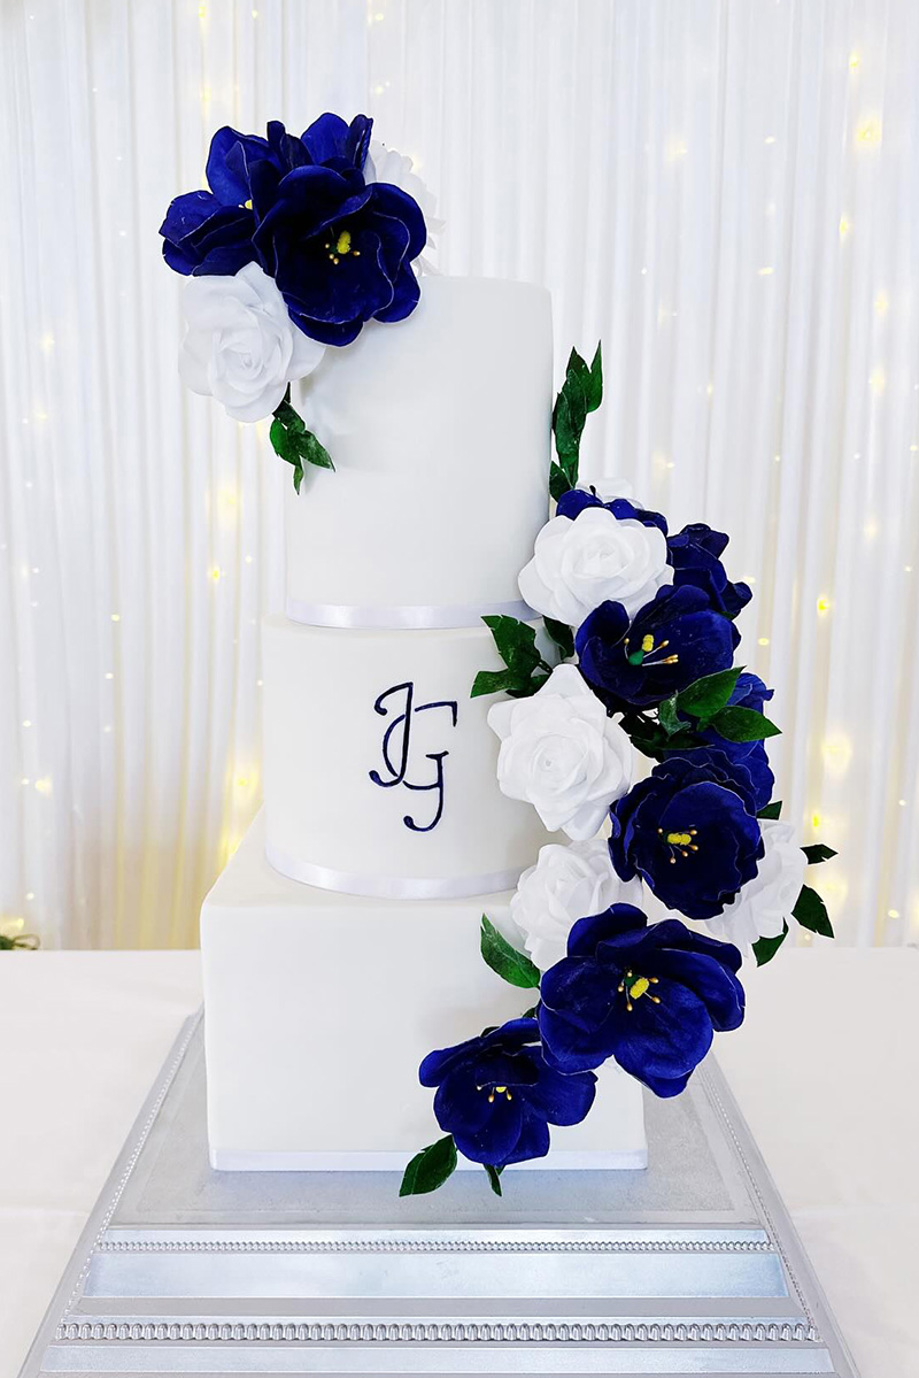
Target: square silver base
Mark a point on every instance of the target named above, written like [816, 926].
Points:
[689, 1267]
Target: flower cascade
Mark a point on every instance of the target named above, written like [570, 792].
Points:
[638, 656]
[297, 243]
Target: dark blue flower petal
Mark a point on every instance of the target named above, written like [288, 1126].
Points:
[572, 503]
[663, 1041]
[561, 1099]
[227, 161]
[595, 928]
[571, 1049]
[397, 205]
[495, 1139]
[716, 986]
[580, 989]
[532, 1143]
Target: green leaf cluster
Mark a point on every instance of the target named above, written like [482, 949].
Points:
[706, 702]
[580, 394]
[525, 670]
[294, 443]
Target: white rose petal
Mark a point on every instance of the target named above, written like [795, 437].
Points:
[387, 165]
[760, 908]
[566, 884]
[579, 564]
[240, 344]
[562, 754]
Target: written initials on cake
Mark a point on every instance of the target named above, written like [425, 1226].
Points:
[396, 749]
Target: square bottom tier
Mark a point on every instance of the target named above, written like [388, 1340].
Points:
[319, 1008]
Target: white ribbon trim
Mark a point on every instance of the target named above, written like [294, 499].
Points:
[418, 617]
[391, 887]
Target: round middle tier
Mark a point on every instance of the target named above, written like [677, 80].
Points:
[379, 767]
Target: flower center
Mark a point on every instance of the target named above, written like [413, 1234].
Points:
[495, 1091]
[341, 247]
[681, 842]
[647, 650]
[634, 987]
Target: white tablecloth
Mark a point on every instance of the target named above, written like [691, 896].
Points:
[826, 1069]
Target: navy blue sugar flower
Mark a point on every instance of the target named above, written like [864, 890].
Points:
[497, 1095]
[339, 249]
[695, 554]
[749, 757]
[572, 503]
[691, 833]
[672, 641]
[650, 997]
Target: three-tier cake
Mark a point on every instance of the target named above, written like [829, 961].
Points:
[341, 943]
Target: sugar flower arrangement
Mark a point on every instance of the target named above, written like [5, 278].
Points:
[643, 624]
[297, 244]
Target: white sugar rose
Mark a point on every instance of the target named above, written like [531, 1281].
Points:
[562, 754]
[566, 884]
[241, 345]
[760, 908]
[579, 564]
[387, 165]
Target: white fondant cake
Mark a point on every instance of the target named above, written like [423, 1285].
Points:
[379, 766]
[327, 985]
[320, 1007]
[439, 428]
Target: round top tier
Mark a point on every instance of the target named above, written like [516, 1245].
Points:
[439, 429]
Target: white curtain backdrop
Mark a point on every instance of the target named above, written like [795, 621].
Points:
[727, 193]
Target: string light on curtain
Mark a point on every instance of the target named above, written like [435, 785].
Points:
[725, 194]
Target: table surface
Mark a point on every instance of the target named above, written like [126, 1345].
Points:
[826, 1070]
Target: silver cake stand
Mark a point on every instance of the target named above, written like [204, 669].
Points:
[691, 1267]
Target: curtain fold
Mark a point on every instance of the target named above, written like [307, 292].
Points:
[725, 194]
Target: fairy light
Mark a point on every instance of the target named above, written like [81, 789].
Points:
[881, 303]
[766, 272]
[676, 149]
[27, 722]
[215, 573]
[763, 641]
[871, 528]
[769, 139]
[116, 616]
[868, 132]
[837, 753]
[46, 343]
[44, 785]
[877, 381]
[824, 603]
[893, 913]
[854, 61]
[816, 820]
[845, 226]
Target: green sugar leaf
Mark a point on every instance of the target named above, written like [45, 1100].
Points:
[494, 1178]
[594, 387]
[707, 696]
[558, 483]
[810, 911]
[773, 810]
[667, 716]
[516, 643]
[743, 725]
[430, 1168]
[764, 949]
[493, 682]
[561, 634]
[512, 966]
[817, 852]
[314, 452]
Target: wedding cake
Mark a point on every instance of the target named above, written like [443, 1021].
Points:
[341, 943]
[447, 889]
